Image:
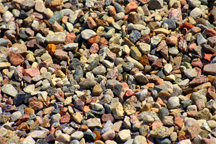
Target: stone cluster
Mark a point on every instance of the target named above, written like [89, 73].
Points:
[107, 71]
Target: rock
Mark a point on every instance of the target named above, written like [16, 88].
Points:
[93, 122]
[157, 4]
[9, 90]
[135, 53]
[125, 135]
[56, 38]
[141, 78]
[77, 135]
[173, 102]
[209, 69]
[190, 73]
[87, 34]
[161, 132]
[15, 58]
[38, 134]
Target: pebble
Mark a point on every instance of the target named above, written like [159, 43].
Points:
[107, 71]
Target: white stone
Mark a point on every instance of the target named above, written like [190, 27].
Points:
[87, 34]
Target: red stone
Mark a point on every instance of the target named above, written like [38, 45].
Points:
[94, 48]
[129, 93]
[132, 6]
[65, 119]
[23, 118]
[15, 58]
[210, 32]
[70, 38]
[91, 23]
[145, 39]
[32, 72]
[179, 122]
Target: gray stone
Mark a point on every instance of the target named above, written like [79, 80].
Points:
[9, 90]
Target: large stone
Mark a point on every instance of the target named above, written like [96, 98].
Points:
[210, 69]
[9, 90]
[56, 38]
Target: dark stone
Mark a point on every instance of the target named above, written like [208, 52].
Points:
[78, 73]
[19, 98]
[117, 89]
[171, 23]
[89, 136]
[134, 36]
[118, 8]
[163, 112]
[163, 141]
[75, 63]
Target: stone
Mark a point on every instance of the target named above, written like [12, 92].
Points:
[161, 132]
[56, 38]
[209, 69]
[15, 58]
[173, 102]
[190, 73]
[157, 4]
[87, 34]
[9, 90]
[135, 53]
[125, 135]
[38, 134]
[77, 135]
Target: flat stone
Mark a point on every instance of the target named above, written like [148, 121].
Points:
[9, 90]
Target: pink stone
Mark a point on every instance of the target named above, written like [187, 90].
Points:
[94, 48]
[129, 93]
[179, 122]
[32, 72]
[113, 73]
[210, 32]
[172, 40]
[176, 13]
[192, 46]
[197, 62]
[108, 135]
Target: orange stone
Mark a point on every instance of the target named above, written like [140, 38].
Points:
[109, 20]
[65, 19]
[103, 42]
[86, 109]
[144, 60]
[51, 48]
[124, 85]
[91, 23]
[98, 136]
[207, 56]
[95, 39]
[32, 72]
[160, 101]
[112, 11]
[15, 58]
[150, 85]
[179, 122]
[159, 81]
[132, 6]
[83, 128]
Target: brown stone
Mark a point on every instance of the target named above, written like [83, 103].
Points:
[91, 23]
[106, 117]
[15, 58]
[193, 131]
[132, 6]
[144, 60]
